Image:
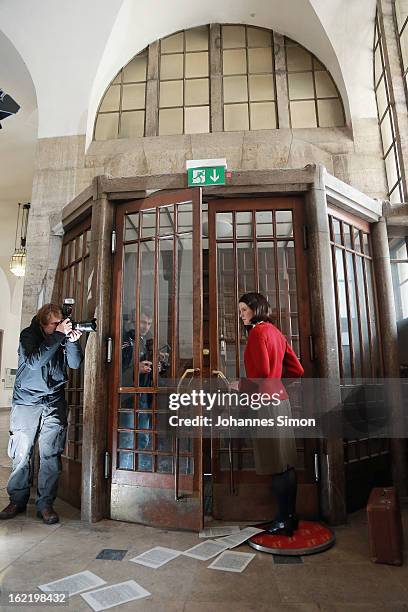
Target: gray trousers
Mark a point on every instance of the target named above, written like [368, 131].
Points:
[48, 421]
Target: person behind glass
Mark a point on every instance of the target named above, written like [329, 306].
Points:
[268, 355]
[39, 408]
[145, 349]
[145, 354]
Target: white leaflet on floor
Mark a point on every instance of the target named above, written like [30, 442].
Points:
[114, 595]
[216, 532]
[156, 557]
[242, 536]
[206, 550]
[230, 561]
[73, 584]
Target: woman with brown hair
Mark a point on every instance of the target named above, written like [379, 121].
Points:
[268, 355]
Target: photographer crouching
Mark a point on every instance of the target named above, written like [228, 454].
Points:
[47, 347]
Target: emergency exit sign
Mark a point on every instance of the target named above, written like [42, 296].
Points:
[206, 172]
[202, 177]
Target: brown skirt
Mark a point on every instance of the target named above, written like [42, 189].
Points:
[274, 455]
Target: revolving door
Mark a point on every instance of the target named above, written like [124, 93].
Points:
[179, 268]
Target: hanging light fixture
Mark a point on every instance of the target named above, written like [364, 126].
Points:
[18, 259]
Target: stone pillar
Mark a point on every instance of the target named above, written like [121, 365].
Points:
[389, 341]
[216, 112]
[282, 95]
[325, 343]
[152, 91]
[393, 67]
[95, 501]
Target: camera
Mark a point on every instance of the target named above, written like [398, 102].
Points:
[83, 326]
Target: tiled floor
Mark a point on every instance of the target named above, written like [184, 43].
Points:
[342, 579]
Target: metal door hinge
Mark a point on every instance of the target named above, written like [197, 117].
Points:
[106, 465]
[113, 242]
[305, 237]
[109, 350]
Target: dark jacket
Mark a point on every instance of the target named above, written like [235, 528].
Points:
[42, 365]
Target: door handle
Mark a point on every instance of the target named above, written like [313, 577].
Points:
[316, 467]
[185, 374]
[178, 497]
[222, 376]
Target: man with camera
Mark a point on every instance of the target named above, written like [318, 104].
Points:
[47, 347]
[145, 352]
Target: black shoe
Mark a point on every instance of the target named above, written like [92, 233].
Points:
[293, 518]
[11, 511]
[48, 515]
[286, 527]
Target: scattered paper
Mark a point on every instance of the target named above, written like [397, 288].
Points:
[238, 538]
[73, 584]
[206, 550]
[230, 561]
[156, 557]
[114, 595]
[216, 532]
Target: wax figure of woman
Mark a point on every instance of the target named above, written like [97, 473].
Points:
[268, 355]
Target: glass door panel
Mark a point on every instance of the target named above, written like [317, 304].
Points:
[157, 327]
[259, 247]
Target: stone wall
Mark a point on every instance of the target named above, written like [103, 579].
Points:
[63, 170]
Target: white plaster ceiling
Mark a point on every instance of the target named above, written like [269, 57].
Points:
[19, 133]
[17, 147]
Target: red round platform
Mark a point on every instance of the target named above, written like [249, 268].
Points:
[311, 537]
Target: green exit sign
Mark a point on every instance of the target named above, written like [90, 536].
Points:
[201, 177]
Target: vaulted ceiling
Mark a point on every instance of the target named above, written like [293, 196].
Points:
[59, 58]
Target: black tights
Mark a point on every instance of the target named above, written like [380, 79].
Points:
[284, 486]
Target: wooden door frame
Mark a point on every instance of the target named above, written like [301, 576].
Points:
[167, 512]
[312, 181]
[69, 487]
[310, 507]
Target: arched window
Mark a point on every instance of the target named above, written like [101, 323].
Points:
[248, 78]
[121, 113]
[184, 92]
[313, 97]
[401, 19]
[219, 77]
[386, 118]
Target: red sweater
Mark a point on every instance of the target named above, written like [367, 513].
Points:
[269, 355]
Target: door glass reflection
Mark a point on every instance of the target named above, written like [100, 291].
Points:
[343, 314]
[131, 227]
[146, 314]
[126, 420]
[266, 272]
[148, 223]
[166, 220]
[226, 309]
[287, 285]
[264, 223]
[184, 303]
[246, 268]
[165, 279]
[243, 221]
[128, 313]
[185, 217]
[284, 225]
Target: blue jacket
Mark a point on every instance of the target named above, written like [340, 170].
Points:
[42, 365]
